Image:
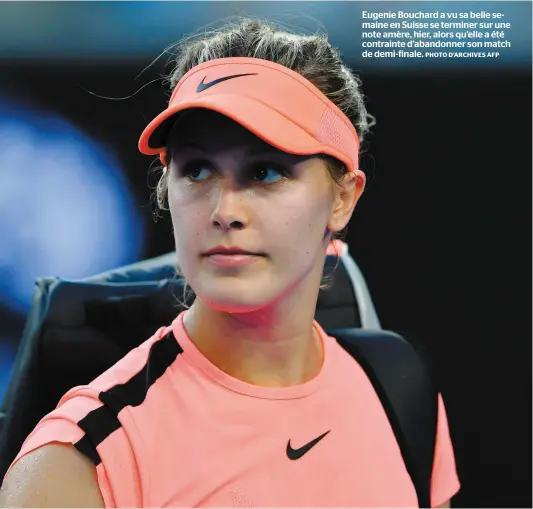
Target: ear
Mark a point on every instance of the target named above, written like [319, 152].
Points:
[347, 195]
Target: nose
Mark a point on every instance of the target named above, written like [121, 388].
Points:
[229, 211]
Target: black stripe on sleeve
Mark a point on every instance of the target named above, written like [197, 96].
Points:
[103, 421]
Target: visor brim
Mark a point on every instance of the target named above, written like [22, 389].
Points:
[258, 118]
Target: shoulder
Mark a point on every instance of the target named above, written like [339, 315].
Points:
[92, 434]
[161, 347]
[126, 377]
[52, 476]
[386, 358]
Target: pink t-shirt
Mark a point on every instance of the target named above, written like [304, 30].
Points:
[167, 428]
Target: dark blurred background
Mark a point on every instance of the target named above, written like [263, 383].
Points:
[443, 233]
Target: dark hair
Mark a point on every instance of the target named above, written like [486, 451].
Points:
[312, 56]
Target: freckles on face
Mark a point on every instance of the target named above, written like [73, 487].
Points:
[294, 219]
[286, 220]
[189, 213]
[228, 188]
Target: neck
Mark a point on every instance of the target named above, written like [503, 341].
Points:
[274, 346]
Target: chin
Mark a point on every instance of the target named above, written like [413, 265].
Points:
[235, 296]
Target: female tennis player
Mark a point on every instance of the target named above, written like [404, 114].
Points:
[244, 400]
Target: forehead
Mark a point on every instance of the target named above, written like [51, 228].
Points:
[213, 131]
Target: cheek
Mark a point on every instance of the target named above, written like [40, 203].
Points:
[297, 226]
[189, 218]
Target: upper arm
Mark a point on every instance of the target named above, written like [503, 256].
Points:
[54, 475]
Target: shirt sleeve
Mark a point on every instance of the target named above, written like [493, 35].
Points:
[445, 481]
[72, 422]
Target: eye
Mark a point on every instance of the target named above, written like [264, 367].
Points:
[267, 172]
[196, 170]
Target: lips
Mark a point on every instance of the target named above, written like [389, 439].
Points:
[231, 257]
[228, 251]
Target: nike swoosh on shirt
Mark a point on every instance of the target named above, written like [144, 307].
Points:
[294, 454]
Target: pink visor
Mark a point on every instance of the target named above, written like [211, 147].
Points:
[271, 101]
